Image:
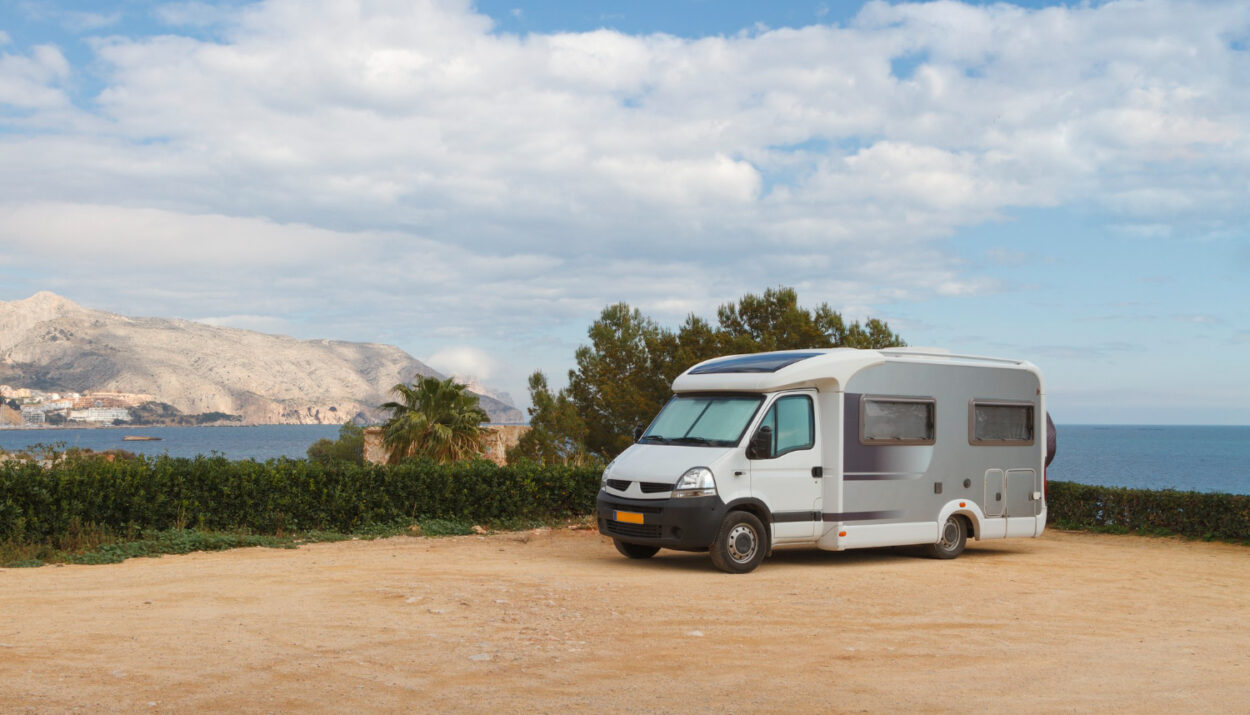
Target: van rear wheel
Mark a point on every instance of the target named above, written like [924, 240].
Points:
[635, 551]
[741, 544]
[952, 540]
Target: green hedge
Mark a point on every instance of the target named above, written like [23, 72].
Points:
[1194, 514]
[278, 496]
[38, 504]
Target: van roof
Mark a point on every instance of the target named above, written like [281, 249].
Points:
[817, 367]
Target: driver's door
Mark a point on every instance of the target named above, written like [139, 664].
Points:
[785, 476]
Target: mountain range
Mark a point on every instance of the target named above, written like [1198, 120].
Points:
[50, 343]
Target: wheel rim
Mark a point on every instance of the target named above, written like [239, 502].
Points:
[950, 535]
[742, 543]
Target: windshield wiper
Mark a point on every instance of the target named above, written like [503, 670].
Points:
[653, 437]
[690, 440]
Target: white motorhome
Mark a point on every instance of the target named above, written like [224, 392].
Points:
[836, 448]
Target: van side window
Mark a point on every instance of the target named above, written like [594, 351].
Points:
[793, 424]
[896, 420]
[1001, 423]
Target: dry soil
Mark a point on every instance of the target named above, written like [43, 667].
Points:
[557, 621]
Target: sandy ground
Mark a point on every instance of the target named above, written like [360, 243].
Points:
[556, 621]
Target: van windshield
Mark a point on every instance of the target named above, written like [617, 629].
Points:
[707, 420]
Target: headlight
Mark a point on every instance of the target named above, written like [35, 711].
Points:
[696, 482]
[603, 480]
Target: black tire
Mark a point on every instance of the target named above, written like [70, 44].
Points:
[635, 551]
[952, 540]
[741, 544]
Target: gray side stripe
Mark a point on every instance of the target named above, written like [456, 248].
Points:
[786, 517]
[880, 476]
[861, 515]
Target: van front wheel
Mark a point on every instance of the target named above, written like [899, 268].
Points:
[741, 543]
[952, 540]
[635, 551]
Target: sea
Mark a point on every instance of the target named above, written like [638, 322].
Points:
[258, 442]
[1205, 459]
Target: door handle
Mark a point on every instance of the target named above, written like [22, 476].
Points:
[818, 472]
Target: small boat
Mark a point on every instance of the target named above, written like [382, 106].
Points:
[140, 438]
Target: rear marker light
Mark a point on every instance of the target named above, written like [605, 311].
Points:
[841, 533]
[962, 504]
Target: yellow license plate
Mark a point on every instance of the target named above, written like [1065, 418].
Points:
[629, 516]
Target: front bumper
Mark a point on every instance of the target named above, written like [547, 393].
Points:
[686, 524]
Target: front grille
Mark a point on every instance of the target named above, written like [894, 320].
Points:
[619, 485]
[639, 508]
[644, 531]
[654, 487]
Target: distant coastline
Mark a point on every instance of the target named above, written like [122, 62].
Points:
[127, 426]
[259, 442]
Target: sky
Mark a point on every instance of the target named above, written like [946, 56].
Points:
[1067, 183]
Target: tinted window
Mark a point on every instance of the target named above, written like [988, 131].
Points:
[1002, 423]
[762, 362]
[793, 424]
[896, 421]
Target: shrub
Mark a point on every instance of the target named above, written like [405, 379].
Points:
[41, 504]
[1193, 514]
[349, 447]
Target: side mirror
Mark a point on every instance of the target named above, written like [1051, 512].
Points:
[638, 430]
[761, 444]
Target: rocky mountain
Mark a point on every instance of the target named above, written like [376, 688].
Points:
[51, 343]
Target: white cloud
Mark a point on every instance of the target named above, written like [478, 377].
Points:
[88, 21]
[416, 110]
[192, 14]
[34, 81]
[401, 172]
[72, 20]
[258, 323]
[464, 361]
[95, 236]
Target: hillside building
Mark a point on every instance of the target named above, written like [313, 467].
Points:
[106, 415]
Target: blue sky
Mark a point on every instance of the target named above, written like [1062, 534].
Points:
[1065, 183]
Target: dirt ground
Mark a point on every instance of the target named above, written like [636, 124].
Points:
[556, 621]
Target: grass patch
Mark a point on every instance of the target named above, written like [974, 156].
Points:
[1156, 532]
[93, 546]
[175, 541]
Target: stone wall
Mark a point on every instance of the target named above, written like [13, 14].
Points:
[374, 452]
[497, 440]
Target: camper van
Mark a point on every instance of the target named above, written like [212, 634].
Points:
[838, 449]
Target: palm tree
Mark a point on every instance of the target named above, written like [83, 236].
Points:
[434, 418]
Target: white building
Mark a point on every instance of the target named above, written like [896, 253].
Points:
[100, 414]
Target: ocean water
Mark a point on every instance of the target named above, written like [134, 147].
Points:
[259, 442]
[1206, 459]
